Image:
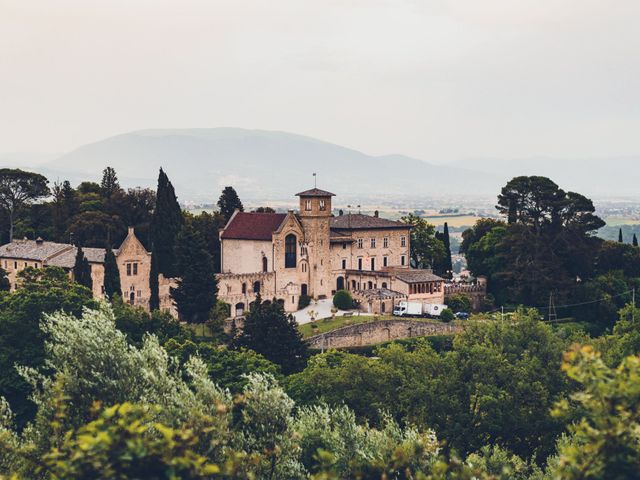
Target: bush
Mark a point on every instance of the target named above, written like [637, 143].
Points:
[447, 315]
[303, 301]
[342, 300]
[459, 303]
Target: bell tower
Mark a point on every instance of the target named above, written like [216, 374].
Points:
[315, 217]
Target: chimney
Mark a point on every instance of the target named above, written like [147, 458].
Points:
[39, 241]
[376, 213]
[131, 232]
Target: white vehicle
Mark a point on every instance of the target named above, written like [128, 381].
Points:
[434, 309]
[404, 309]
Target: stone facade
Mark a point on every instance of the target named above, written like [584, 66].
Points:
[311, 252]
[134, 265]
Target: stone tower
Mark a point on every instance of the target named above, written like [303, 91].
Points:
[315, 216]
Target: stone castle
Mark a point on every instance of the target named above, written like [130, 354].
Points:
[312, 253]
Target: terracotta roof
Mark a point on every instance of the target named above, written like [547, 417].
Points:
[415, 275]
[359, 221]
[315, 192]
[32, 250]
[253, 226]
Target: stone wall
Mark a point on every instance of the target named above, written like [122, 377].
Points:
[474, 292]
[372, 333]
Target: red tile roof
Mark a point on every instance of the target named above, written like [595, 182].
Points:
[315, 192]
[253, 226]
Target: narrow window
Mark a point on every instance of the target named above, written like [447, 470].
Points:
[256, 287]
[385, 261]
[323, 205]
[344, 246]
[344, 263]
[403, 241]
[373, 243]
[264, 264]
[401, 259]
[290, 245]
[360, 263]
[135, 268]
[385, 242]
[244, 288]
[359, 243]
[128, 269]
[373, 264]
[307, 205]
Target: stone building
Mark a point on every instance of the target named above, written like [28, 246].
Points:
[314, 253]
[134, 265]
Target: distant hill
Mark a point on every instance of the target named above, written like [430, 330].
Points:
[261, 164]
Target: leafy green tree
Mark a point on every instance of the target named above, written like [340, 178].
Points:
[264, 210]
[447, 315]
[272, 333]
[459, 303]
[197, 288]
[603, 442]
[82, 270]
[343, 300]
[109, 185]
[209, 225]
[229, 202]
[94, 229]
[111, 275]
[617, 256]
[166, 224]
[18, 189]
[426, 249]
[21, 340]
[126, 441]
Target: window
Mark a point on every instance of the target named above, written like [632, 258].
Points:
[403, 241]
[128, 269]
[244, 288]
[303, 267]
[323, 205]
[385, 242]
[15, 265]
[402, 260]
[344, 263]
[256, 287]
[135, 268]
[290, 245]
[265, 264]
[385, 261]
[359, 243]
[307, 205]
[344, 247]
[360, 263]
[373, 264]
[373, 243]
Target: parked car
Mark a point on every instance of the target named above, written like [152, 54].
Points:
[462, 315]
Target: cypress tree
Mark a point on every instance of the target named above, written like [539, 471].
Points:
[228, 203]
[620, 236]
[82, 270]
[635, 240]
[111, 275]
[166, 223]
[154, 299]
[448, 264]
[197, 288]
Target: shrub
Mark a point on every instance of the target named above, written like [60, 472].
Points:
[459, 303]
[447, 315]
[303, 301]
[342, 300]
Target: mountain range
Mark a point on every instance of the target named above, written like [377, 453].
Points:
[264, 164]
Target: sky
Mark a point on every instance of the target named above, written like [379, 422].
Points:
[439, 80]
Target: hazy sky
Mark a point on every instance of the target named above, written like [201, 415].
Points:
[435, 79]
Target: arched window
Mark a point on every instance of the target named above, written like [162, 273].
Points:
[256, 287]
[265, 264]
[290, 248]
[239, 309]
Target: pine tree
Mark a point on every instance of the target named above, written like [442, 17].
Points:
[448, 264]
[635, 240]
[82, 270]
[166, 223]
[269, 331]
[229, 202]
[620, 236]
[197, 288]
[154, 298]
[109, 184]
[111, 275]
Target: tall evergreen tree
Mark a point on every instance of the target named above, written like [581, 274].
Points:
[166, 223]
[82, 270]
[109, 184]
[228, 203]
[635, 240]
[620, 236]
[269, 331]
[154, 287]
[111, 275]
[197, 288]
[448, 264]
